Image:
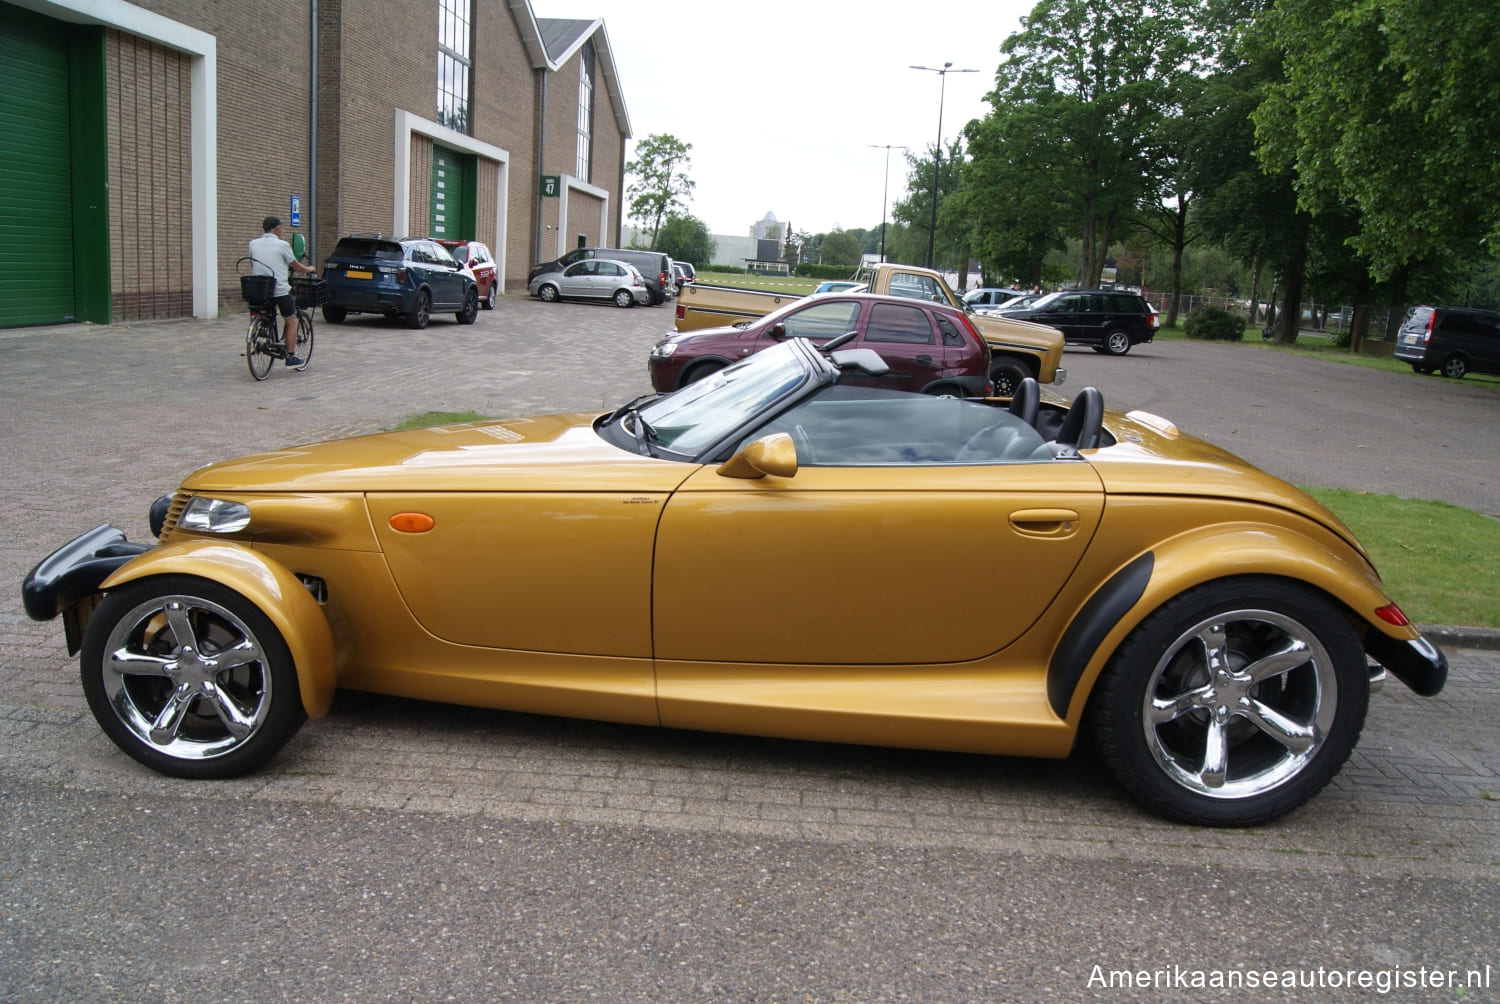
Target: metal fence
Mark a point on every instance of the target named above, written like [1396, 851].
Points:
[1327, 317]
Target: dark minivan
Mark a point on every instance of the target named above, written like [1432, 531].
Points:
[655, 267]
[1453, 340]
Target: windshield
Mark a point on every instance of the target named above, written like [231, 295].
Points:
[689, 420]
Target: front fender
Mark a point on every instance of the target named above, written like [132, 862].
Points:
[278, 594]
[1144, 583]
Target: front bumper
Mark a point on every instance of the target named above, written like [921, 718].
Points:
[74, 571]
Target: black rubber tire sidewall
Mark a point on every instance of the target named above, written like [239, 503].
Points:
[1114, 707]
[286, 714]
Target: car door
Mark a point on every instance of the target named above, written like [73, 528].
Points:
[904, 337]
[577, 280]
[857, 586]
[1066, 314]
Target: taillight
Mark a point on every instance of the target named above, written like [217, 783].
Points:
[1392, 615]
[681, 311]
[401, 277]
[1427, 333]
[973, 331]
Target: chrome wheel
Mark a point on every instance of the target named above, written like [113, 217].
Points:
[1455, 366]
[1240, 703]
[489, 298]
[1234, 703]
[1117, 342]
[189, 678]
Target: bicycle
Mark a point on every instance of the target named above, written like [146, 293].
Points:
[263, 343]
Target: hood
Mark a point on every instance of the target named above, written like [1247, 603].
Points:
[545, 453]
[725, 333]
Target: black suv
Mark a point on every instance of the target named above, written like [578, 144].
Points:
[411, 279]
[655, 267]
[1455, 340]
[1107, 319]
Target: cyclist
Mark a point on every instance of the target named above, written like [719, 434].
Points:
[270, 255]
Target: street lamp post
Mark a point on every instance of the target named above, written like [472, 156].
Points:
[937, 153]
[885, 195]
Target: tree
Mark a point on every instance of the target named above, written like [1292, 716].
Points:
[1014, 213]
[840, 248]
[660, 182]
[686, 238]
[914, 213]
[1101, 79]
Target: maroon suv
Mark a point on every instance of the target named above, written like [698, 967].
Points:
[930, 347]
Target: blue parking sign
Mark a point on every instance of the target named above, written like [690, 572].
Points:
[296, 213]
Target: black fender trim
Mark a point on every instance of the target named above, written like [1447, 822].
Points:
[1418, 663]
[75, 570]
[1097, 618]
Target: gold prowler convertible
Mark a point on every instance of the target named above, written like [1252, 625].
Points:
[786, 548]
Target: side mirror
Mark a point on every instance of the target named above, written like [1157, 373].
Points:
[775, 455]
[777, 333]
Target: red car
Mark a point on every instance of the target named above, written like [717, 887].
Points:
[929, 347]
[479, 261]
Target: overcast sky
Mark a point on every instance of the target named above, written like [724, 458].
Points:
[783, 100]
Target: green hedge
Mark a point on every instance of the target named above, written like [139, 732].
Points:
[1214, 325]
[807, 270]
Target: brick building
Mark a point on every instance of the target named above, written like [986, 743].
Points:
[141, 144]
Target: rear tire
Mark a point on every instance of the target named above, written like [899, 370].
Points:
[1455, 366]
[1007, 372]
[488, 303]
[335, 315]
[624, 298]
[1233, 703]
[421, 311]
[1117, 342]
[259, 338]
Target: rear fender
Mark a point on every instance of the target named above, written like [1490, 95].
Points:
[1147, 581]
[277, 593]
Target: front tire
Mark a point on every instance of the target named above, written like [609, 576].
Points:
[189, 677]
[304, 338]
[547, 293]
[471, 308]
[1234, 703]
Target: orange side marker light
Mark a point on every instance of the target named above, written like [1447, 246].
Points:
[412, 522]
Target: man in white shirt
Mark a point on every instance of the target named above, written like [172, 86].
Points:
[272, 256]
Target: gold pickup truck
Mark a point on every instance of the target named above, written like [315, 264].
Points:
[1018, 348]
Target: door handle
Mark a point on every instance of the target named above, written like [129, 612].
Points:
[924, 360]
[1044, 522]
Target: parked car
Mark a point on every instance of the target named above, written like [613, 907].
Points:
[593, 279]
[411, 279]
[1024, 300]
[477, 258]
[1107, 319]
[1454, 340]
[927, 347]
[685, 272]
[773, 551]
[990, 296]
[655, 267]
[839, 286]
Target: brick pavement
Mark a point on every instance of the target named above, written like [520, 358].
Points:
[98, 421]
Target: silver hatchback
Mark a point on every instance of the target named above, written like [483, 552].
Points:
[593, 279]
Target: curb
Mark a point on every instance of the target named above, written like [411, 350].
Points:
[1461, 637]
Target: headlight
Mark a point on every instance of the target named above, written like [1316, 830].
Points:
[206, 515]
[664, 350]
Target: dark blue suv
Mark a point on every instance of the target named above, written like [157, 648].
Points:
[411, 278]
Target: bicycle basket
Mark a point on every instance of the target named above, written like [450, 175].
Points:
[311, 291]
[257, 288]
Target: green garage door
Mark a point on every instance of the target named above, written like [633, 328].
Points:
[452, 207]
[36, 217]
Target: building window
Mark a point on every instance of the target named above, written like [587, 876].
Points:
[455, 64]
[585, 113]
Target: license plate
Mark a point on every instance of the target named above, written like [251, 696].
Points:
[357, 273]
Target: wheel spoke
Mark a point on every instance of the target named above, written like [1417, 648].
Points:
[128, 663]
[1164, 711]
[1275, 664]
[1215, 756]
[169, 720]
[1295, 736]
[1215, 644]
[181, 625]
[241, 654]
[235, 720]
